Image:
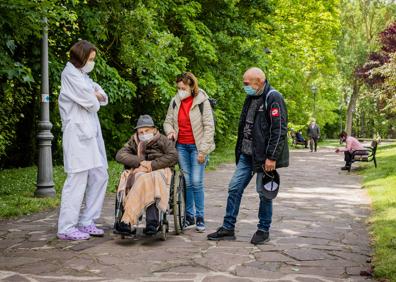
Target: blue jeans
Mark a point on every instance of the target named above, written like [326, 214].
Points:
[194, 176]
[241, 178]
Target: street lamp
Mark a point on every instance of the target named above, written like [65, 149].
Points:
[45, 184]
[314, 90]
[267, 51]
[340, 113]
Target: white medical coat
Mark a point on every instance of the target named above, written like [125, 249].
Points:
[83, 145]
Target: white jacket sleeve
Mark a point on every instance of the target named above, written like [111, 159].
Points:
[79, 91]
[101, 91]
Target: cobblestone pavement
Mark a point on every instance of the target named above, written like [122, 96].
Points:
[319, 233]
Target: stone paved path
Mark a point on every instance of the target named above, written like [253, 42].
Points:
[318, 234]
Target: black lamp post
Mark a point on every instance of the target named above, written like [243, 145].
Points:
[267, 51]
[314, 90]
[45, 184]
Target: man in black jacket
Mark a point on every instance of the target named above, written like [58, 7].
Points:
[313, 133]
[261, 145]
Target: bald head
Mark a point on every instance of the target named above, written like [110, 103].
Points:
[255, 78]
[255, 73]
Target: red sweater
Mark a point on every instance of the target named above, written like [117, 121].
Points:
[185, 130]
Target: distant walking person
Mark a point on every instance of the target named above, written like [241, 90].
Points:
[261, 147]
[313, 133]
[189, 121]
[83, 147]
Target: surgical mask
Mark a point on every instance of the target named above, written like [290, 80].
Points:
[249, 90]
[183, 94]
[146, 137]
[88, 67]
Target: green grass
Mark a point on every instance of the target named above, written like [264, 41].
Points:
[17, 186]
[381, 186]
[332, 143]
[328, 143]
[223, 154]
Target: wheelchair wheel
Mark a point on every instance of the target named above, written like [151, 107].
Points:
[164, 232]
[179, 204]
[119, 208]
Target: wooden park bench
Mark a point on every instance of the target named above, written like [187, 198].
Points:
[296, 142]
[366, 155]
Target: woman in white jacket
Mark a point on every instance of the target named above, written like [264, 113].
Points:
[83, 148]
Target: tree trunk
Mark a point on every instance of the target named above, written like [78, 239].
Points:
[352, 106]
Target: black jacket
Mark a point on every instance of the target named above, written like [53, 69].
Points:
[269, 130]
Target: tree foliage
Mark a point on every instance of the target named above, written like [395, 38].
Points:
[143, 45]
[361, 21]
[380, 75]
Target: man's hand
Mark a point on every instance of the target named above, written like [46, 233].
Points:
[147, 165]
[172, 136]
[337, 150]
[270, 165]
[201, 158]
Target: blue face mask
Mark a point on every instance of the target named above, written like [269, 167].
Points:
[249, 90]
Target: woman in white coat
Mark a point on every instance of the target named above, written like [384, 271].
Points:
[83, 148]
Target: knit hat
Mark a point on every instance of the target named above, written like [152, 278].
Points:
[145, 121]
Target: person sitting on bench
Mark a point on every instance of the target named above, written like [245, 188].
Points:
[300, 138]
[352, 144]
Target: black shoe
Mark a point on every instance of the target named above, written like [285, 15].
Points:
[260, 237]
[346, 168]
[189, 222]
[222, 234]
[150, 229]
[123, 228]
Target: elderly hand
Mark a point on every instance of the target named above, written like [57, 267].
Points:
[269, 165]
[147, 165]
[140, 169]
[201, 158]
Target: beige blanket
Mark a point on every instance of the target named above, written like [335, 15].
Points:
[147, 188]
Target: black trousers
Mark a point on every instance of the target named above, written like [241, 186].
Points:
[348, 158]
[313, 141]
[152, 215]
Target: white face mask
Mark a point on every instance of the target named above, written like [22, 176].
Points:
[146, 137]
[89, 66]
[183, 94]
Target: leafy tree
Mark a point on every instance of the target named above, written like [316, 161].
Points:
[361, 21]
[380, 76]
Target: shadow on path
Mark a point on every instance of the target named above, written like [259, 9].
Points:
[318, 234]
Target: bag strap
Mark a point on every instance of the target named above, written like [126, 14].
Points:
[200, 106]
[266, 98]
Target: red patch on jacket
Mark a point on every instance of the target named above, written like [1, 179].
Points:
[275, 112]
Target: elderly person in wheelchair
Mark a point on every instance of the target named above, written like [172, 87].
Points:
[144, 184]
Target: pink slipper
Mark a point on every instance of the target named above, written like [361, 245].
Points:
[91, 230]
[73, 235]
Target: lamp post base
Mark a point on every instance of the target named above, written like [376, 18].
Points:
[45, 192]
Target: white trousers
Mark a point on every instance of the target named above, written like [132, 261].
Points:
[90, 183]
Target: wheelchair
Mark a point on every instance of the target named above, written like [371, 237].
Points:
[176, 207]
